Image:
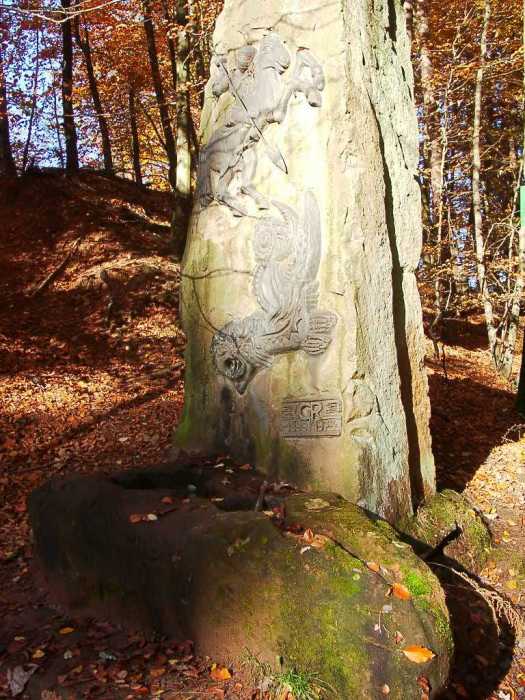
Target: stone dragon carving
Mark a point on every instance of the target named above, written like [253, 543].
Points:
[287, 253]
[260, 96]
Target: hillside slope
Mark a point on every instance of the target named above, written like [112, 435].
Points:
[90, 363]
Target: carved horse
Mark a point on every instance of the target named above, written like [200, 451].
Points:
[261, 97]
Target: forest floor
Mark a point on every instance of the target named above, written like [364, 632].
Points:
[91, 379]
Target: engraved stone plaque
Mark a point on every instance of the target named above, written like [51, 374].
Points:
[322, 417]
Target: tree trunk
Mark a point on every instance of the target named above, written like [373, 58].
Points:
[430, 111]
[178, 52]
[169, 139]
[300, 304]
[171, 45]
[7, 163]
[85, 47]
[60, 149]
[520, 398]
[479, 239]
[25, 155]
[434, 153]
[135, 143]
[70, 132]
[183, 104]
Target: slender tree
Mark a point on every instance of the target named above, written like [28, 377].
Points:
[184, 122]
[70, 132]
[135, 143]
[85, 46]
[179, 64]
[34, 99]
[430, 111]
[520, 398]
[477, 208]
[7, 163]
[169, 139]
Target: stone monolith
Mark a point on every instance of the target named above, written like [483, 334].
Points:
[299, 298]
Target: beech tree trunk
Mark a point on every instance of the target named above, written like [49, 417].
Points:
[184, 123]
[430, 108]
[434, 152]
[169, 139]
[298, 297]
[70, 131]
[58, 129]
[178, 51]
[34, 95]
[7, 163]
[135, 142]
[520, 398]
[85, 47]
[477, 210]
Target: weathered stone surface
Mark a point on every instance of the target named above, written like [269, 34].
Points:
[232, 581]
[449, 521]
[299, 298]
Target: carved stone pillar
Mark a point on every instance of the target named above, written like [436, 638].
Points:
[298, 292]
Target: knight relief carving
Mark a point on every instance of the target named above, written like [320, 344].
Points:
[287, 251]
[260, 84]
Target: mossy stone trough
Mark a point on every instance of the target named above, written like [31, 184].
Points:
[234, 583]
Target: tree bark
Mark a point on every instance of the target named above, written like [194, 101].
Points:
[430, 111]
[178, 52]
[183, 104]
[477, 211]
[70, 132]
[7, 163]
[60, 149]
[135, 143]
[85, 47]
[434, 153]
[169, 139]
[520, 398]
[25, 155]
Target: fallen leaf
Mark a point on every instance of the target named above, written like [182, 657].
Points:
[308, 535]
[66, 630]
[418, 655]
[400, 591]
[373, 566]
[157, 672]
[220, 673]
[38, 654]
[18, 677]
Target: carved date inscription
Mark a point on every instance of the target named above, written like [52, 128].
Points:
[312, 418]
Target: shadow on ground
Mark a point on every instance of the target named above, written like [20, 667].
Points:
[483, 644]
[468, 420]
